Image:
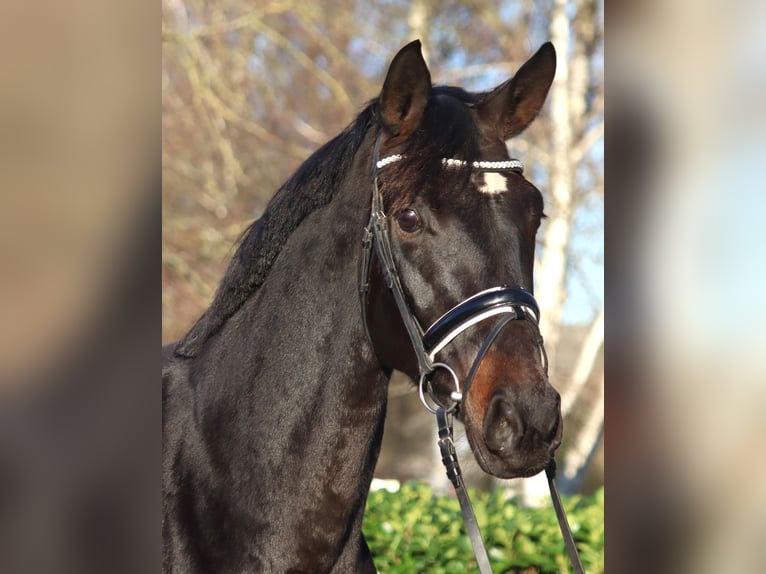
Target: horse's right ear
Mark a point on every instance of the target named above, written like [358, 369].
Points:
[405, 91]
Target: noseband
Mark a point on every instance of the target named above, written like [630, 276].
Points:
[514, 303]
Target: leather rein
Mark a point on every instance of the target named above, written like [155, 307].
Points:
[512, 302]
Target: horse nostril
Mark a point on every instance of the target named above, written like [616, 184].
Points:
[502, 426]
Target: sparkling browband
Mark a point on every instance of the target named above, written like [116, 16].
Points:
[513, 164]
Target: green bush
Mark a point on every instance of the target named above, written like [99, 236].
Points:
[415, 531]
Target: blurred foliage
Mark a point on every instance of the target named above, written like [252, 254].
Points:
[414, 530]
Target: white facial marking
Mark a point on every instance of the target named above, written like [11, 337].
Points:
[493, 183]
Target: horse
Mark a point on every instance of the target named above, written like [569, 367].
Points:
[274, 402]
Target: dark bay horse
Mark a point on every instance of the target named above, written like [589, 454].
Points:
[274, 402]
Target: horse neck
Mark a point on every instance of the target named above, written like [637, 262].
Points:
[291, 386]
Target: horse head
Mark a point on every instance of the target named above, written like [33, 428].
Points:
[461, 218]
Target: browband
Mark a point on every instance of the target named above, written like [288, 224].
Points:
[503, 165]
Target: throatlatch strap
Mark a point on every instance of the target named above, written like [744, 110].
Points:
[566, 533]
[449, 458]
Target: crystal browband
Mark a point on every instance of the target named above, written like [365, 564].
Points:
[512, 164]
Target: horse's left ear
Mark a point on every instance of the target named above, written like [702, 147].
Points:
[512, 106]
[405, 92]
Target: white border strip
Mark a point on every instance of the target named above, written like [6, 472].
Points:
[471, 322]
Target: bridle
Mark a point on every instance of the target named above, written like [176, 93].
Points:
[514, 303]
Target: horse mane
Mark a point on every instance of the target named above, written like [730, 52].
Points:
[311, 187]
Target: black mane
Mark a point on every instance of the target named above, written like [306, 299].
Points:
[313, 186]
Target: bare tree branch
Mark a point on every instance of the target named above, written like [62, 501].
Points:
[300, 56]
[582, 147]
[584, 365]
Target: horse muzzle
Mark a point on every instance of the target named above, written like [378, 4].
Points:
[511, 412]
[516, 438]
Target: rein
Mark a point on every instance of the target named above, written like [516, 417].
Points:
[513, 302]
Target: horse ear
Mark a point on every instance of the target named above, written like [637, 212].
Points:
[512, 106]
[405, 91]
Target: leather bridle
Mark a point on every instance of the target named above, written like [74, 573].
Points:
[514, 303]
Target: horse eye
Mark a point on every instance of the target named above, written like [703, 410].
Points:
[409, 221]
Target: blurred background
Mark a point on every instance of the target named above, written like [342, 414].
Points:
[250, 92]
[80, 241]
[687, 383]
[80, 408]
